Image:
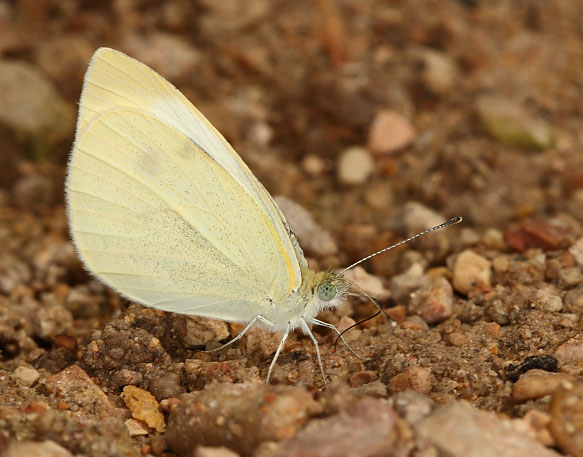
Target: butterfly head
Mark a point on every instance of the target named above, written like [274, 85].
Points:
[324, 289]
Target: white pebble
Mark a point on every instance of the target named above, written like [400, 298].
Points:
[355, 165]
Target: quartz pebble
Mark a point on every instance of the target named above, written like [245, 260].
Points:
[313, 238]
[548, 298]
[136, 427]
[536, 384]
[439, 70]
[355, 165]
[371, 284]
[471, 271]
[433, 301]
[402, 285]
[26, 376]
[460, 430]
[389, 132]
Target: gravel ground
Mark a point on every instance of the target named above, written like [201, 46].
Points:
[369, 121]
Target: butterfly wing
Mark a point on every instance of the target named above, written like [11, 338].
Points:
[117, 80]
[159, 217]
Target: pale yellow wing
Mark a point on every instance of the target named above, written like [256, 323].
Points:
[117, 80]
[159, 219]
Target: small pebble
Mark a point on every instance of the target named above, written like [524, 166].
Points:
[75, 386]
[570, 276]
[494, 238]
[567, 418]
[471, 271]
[511, 124]
[204, 451]
[576, 250]
[412, 406]
[200, 331]
[548, 298]
[144, 407]
[365, 427]
[313, 165]
[164, 52]
[313, 238]
[355, 166]
[260, 343]
[457, 339]
[344, 323]
[571, 352]
[439, 70]
[469, 237]
[433, 301]
[136, 427]
[413, 378]
[402, 285]
[536, 425]
[372, 285]
[26, 376]
[362, 377]
[574, 300]
[415, 323]
[414, 217]
[535, 234]
[168, 385]
[460, 430]
[501, 264]
[379, 195]
[536, 384]
[389, 132]
[31, 105]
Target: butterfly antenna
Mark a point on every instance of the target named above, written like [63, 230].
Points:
[352, 326]
[452, 221]
[374, 302]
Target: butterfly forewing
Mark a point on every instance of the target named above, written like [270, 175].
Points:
[161, 221]
[115, 80]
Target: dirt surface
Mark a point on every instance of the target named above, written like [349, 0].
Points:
[369, 121]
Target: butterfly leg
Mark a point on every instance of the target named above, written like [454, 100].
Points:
[327, 325]
[241, 333]
[279, 348]
[308, 332]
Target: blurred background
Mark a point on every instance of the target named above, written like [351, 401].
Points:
[369, 120]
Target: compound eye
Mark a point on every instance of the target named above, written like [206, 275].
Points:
[327, 291]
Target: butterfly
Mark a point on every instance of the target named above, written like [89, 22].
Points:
[165, 212]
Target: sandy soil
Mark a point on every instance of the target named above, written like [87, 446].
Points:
[370, 121]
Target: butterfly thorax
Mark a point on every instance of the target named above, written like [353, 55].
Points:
[318, 291]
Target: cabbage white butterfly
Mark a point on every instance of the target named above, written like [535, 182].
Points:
[164, 211]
